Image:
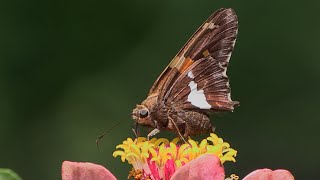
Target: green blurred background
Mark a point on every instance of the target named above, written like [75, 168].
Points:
[70, 69]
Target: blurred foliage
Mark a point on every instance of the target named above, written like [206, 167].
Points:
[71, 69]
[8, 174]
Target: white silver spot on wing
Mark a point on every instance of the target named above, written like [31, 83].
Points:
[224, 72]
[209, 25]
[190, 75]
[197, 97]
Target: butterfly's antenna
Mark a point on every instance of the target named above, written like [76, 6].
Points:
[102, 135]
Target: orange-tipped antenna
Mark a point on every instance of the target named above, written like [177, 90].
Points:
[102, 135]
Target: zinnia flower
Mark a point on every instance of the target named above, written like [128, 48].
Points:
[159, 158]
[206, 167]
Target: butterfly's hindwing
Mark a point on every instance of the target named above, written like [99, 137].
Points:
[203, 86]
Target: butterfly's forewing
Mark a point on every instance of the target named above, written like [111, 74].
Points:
[206, 55]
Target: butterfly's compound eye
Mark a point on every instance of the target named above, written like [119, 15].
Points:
[143, 113]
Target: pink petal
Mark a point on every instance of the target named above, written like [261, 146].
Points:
[169, 169]
[268, 174]
[84, 171]
[206, 167]
[153, 168]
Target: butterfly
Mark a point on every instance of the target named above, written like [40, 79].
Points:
[195, 82]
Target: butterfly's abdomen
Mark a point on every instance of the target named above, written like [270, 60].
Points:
[196, 123]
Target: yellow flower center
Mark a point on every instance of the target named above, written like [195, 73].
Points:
[139, 150]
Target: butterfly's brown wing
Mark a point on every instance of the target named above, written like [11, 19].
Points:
[203, 86]
[207, 54]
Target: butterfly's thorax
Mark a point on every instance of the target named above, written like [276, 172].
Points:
[159, 114]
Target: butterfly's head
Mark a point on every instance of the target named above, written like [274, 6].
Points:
[141, 115]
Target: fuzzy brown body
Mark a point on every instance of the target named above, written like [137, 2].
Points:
[188, 122]
[195, 82]
[163, 117]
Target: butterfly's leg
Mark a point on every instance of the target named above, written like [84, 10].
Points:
[177, 129]
[213, 129]
[135, 129]
[152, 133]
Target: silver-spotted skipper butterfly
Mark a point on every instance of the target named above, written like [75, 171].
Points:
[195, 82]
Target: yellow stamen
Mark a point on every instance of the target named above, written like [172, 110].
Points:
[137, 151]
